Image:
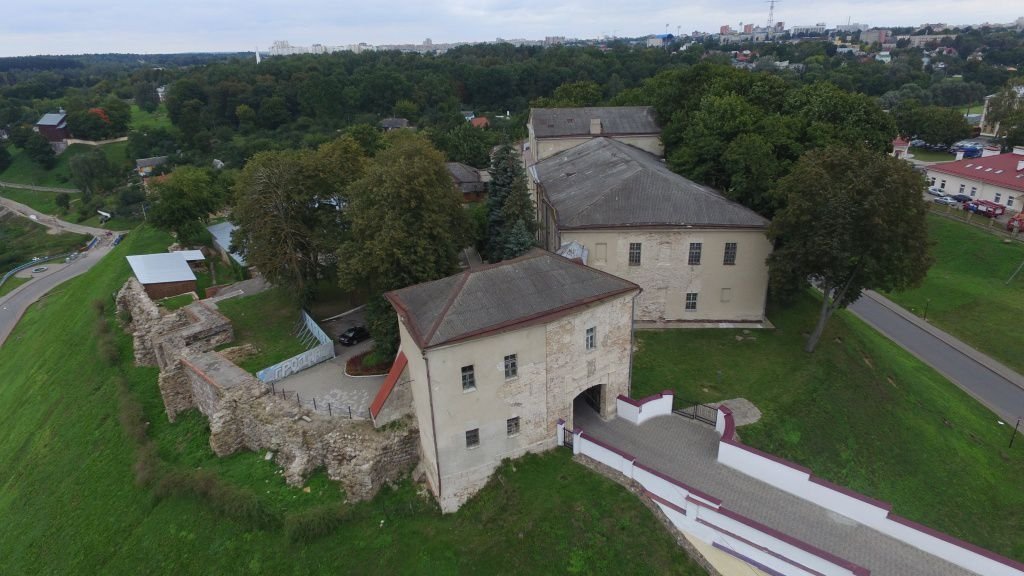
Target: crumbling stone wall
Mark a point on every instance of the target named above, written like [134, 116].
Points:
[243, 415]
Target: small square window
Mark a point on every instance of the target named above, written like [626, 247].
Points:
[999, 195]
[511, 366]
[730, 254]
[974, 191]
[695, 249]
[472, 438]
[634, 253]
[962, 186]
[943, 185]
[591, 338]
[1009, 201]
[512, 426]
[468, 379]
[691, 300]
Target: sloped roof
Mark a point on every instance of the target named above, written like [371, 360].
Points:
[388, 385]
[154, 161]
[462, 173]
[394, 123]
[221, 233]
[191, 255]
[615, 120]
[1000, 169]
[51, 119]
[604, 183]
[159, 268]
[532, 288]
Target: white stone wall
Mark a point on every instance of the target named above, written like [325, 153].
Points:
[725, 293]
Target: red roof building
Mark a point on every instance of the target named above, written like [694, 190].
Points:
[480, 122]
[997, 178]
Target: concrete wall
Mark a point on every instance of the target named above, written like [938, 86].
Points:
[872, 513]
[733, 293]
[640, 411]
[1012, 199]
[553, 368]
[548, 147]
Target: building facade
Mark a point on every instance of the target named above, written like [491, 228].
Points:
[554, 130]
[994, 177]
[498, 354]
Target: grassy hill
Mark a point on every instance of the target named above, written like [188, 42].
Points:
[22, 239]
[24, 171]
[70, 505]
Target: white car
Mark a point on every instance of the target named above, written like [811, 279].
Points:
[936, 191]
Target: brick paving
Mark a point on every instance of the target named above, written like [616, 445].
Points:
[687, 450]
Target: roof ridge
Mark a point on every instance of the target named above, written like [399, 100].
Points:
[457, 289]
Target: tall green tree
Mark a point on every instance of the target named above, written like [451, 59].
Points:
[408, 226]
[145, 96]
[39, 151]
[519, 214]
[184, 202]
[853, 220]
[93, 173]
[5, 158]
[504, 170]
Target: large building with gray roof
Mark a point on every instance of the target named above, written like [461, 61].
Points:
[553, 130]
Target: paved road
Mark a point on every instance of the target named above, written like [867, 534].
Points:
[991, 383]
[38, 188]
[50, 221]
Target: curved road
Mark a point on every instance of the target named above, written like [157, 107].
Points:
[13, 305]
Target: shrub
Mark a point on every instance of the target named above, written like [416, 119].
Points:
[308, 525]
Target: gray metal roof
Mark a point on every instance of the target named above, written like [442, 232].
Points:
[51, 119]
[159, 268]
[394, 123]
[615, 120]
[154, 161]
[506, 295]
[221, 233]
[463, 174]
[604, 183]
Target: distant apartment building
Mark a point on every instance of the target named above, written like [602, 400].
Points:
[815, 30]
[923, 40]
[880, 35]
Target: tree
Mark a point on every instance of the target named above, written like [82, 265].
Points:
[933, 124]
[39, 151]
[520, 218]
[5, 158]
[63, 201]
[145, 96]
[465, 144]
[853, 220]
[184, 202]
[92, 172]
[503, 174]
[408, 227]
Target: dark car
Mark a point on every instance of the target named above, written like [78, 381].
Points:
[353, 336]
[961, 197]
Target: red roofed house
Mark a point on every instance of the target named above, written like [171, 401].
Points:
[480, 122]
[994, 177]
[900, 148]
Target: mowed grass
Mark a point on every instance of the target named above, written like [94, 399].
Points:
[267, 320]
[69, 504]
[24, 171]
[860, 412]
[12, 283]
[142, 120]
[966, 292]
[22, 239]
[45, 202]
[926, 155]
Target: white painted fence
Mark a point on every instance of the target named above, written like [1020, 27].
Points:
[322, 352]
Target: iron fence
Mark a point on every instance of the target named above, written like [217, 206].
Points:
[332, 409]
[703, 412]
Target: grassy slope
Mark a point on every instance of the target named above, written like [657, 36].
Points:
[24, 171]
[44, 202]
[142, 120]
[860, 412]
[11, 284]
[966, 292]
[22, 239]
[266, 320]
[69, 505]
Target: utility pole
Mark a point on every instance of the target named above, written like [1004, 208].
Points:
[1014, 432]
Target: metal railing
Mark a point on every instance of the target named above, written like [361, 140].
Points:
[31, 264]
[703, 412]
[332, 409]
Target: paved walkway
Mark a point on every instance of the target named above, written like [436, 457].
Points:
[38, 188]
[990, 382]
[50, 221]
[687, 450]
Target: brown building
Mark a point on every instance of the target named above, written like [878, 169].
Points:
[468, 180]
[53, 127]
[167, 274]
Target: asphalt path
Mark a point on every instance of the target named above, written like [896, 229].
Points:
[988, 381]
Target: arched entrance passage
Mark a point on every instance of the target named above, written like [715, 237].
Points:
[588, 405]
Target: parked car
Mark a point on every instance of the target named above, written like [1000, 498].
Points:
[972, 152]
[961, 197]
[936, 191]
[353, 336]
[918, 143]
[945, 200]
[40, 269]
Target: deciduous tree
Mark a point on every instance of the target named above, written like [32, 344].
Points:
[853, 220]
[39, 151]
[184, 202]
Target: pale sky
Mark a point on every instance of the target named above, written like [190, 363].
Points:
[160, 26]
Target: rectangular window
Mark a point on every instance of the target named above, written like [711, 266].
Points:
[943, 185]
[512, 426]
[591, 338]
[472, 438]
[998, 196]
[962, 186]
[468, 379]
[511, 366]
[691, 300]
[974, 190]
[634, 253]
[932, 181]
[1009, 201]
[730, 254]
[695, 248]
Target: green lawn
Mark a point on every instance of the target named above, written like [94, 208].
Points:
[175, 302]
[973, 108]
[268, 321]
[44, 202]
[24, 171]
[966, 292]
[860, 412]
[22, 239]
[12, 283]
[925, 155]
[70, 506]
[142, 120]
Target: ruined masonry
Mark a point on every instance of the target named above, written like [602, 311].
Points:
[241, 411]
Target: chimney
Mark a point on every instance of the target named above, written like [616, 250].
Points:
[959, 154]
[990, 151]
[1018, 150]
[595, 126]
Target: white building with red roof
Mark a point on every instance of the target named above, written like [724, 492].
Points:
[994, 177]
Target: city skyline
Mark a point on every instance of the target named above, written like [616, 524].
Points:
[50, 27]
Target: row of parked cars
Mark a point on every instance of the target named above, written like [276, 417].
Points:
[983, 207]
[942, 198]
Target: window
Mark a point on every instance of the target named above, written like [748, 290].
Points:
[974, 190]
[943, 185]
[1009, 201]
[730, 254]
[691, 300]
[512, 426]
[998, 196]
[468, 379]
[962, 186]
[634, 253]
[591, 338]
[472, 438]
[511, 366]
[695, 248]
[932, 181]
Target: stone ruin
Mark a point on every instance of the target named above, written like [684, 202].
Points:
[242, 412]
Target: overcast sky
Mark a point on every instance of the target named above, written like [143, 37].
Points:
[148, 26]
